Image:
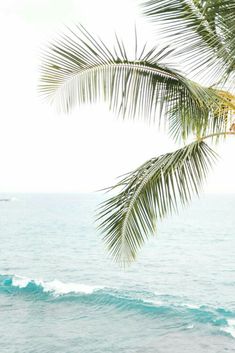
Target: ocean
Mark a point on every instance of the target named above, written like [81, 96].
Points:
[61, 293]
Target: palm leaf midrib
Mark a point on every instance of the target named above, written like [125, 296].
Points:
[64, 76]
[149, 172]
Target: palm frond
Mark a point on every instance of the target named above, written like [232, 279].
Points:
[78, 68]
[148, 194]
[205, 30]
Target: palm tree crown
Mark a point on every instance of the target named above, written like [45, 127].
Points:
[79, 68]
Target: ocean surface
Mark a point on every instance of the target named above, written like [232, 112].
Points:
[61, 293]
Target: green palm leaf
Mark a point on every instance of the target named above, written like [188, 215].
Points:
[205, 29]
[78, 68]
[148, 194]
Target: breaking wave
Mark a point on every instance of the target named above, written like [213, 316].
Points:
[147, 303]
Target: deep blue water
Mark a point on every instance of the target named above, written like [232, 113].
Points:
[60, 292]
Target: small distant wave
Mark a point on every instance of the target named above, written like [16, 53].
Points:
[146, 303]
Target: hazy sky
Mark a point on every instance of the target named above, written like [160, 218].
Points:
[42, 151]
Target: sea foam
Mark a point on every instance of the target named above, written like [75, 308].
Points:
[230, 328]
[56, 287]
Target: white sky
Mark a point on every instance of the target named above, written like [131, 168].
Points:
[41, 151]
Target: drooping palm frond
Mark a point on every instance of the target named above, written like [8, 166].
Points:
[148, 194]
[205, 29]
[78, 68]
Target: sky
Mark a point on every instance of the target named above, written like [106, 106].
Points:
[43, 151]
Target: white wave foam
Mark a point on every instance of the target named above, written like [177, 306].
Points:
[171, 303]
[231, 327]
[60, 288]
[57, 287]
[21, 282]
[231, 322]
[229, 330]
[190, 306]
[152, 302]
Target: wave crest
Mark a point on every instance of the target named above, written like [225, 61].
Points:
[147, 303]
[55, 287]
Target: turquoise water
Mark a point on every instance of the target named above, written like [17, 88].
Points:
[59, 291]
